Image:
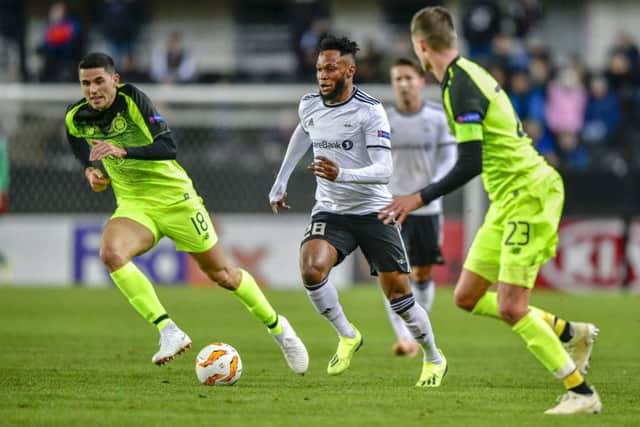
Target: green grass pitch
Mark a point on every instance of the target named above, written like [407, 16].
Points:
[81, 357]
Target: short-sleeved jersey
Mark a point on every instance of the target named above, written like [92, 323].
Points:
[417, 139]
[344, 133]
[131, 121]
[478, 109]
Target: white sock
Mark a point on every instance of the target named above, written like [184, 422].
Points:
[397, 323]
[425, 293]
[324, 298]
[418, 323]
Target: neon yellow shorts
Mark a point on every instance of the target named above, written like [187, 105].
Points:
[187, 223]
[519, 234]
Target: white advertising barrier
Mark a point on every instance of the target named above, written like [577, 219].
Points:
[60, 250]
[590, 256]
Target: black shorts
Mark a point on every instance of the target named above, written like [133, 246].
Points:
[381, 243]
[421, 234]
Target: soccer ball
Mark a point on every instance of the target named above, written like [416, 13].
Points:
[218, 364]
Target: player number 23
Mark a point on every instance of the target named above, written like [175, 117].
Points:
[315, 229]
[518, 233]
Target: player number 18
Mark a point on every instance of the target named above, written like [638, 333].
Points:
[199, 222]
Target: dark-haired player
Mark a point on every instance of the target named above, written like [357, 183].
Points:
[423, 151]
[118, 125]
[349, 133]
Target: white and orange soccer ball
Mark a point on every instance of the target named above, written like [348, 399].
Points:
[218, 364]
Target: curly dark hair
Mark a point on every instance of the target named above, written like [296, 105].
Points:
[343, 44]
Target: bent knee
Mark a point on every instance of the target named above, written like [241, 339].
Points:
[112, 258]
[225, 278]
[511, 313]
[313, 273]
[464, 300]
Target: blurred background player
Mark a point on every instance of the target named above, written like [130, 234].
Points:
[349, 133]
[118, 125]
[423, 151]
[520, 231]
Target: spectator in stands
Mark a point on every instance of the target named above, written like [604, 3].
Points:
[564, 114]
[509, 51]
[61, 45]
[526, 16]
[120, 22]
[371, 68]
[622, 80]
[130, 71]
[13, 30]
[481, 22]
[528, 103]
[567, 100]
[541, 140]
[540, 71]
[309, 45]
[602, 115]
[625, 44]
[499, 72]
[174, 63]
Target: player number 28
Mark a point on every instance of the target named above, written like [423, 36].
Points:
[315, 229]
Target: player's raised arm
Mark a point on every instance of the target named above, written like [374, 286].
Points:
[299, 143]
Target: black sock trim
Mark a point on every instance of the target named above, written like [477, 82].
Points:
[161, 318]
[582, 388]
[317, 285]
[274, 324]
[402, 304]
[567, 333]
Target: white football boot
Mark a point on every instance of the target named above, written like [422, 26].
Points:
[574, 403]
[581, 345]
[295, 353]
[173, 341]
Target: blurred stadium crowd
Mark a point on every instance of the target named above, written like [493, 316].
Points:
[580, 118]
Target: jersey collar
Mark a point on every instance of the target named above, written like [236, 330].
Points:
[445, 79]
[353, 93]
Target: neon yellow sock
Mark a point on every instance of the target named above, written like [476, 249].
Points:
[488, 306]
[544, 345]
[251, 296]
[572, 380]
[140, 293]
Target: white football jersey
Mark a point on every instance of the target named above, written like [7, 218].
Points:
[422, 149]
[344, 133]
